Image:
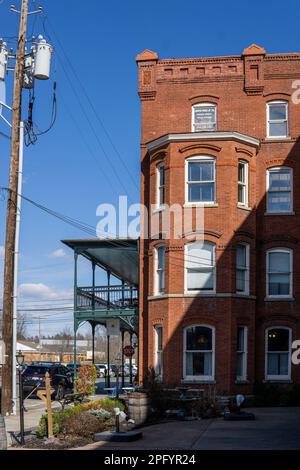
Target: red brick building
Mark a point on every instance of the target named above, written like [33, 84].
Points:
[222, 133]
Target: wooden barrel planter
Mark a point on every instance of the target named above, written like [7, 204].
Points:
[138, 407]
[3, 440]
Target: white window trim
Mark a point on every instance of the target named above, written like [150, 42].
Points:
[244, 377]
[156, 281]
[196, 291]
[197, 378]
[157, 201]
[246, 184]
[246, 292]
[269, 104]
[199, 158]
[203, 105]
[279, 250]
[156, 327]
[278, 377]
[276, 168]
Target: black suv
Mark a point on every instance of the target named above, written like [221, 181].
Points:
[60, 379]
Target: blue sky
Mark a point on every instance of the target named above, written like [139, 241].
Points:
[100, 40]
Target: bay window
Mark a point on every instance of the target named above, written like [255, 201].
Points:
[242, 183]
[242, 269]
[242, 349]
[200, 180]
[159, 281]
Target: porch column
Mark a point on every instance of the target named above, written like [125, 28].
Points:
[93, 341]
[122, 355]
[93, 284]
[75, 318]
[108, 362]
[108, 290]
[130, 361]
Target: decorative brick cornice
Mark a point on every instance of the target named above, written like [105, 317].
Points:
[280, 238]
[245, 151]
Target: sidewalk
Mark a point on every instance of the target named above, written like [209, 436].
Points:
[36, 408]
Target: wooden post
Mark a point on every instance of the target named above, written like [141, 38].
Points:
[6, 405]
[49, 408]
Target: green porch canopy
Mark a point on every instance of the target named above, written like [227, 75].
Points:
[118, 256]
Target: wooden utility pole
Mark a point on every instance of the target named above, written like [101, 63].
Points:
[6, 404]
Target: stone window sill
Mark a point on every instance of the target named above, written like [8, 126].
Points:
[200, 204]
[279, 299]
[280, 213]
[244, 208]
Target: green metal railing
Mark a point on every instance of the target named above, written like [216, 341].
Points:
[106, 297]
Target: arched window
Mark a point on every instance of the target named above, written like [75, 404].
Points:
[277, 119]
[279, 273]
[280, 190]
[204, 117]
[159, 270]
[278, 353]
[199, 353]
[200, 267]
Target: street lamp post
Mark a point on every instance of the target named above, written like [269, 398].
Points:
[20, 362]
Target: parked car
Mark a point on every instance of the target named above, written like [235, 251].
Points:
[60, 378]
[101, 369]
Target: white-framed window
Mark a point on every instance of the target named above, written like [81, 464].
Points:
[280, 190]
[160, 184]
[200, 180]
[278, 353]
[158, 350]
[241, 352]
[159, 278]
[243, 268]
[199, 353]
[243, 186]
[204, 117]
[277, 119]
[200, 267]
[280, 273]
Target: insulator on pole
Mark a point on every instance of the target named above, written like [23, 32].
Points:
[42, 59]
[29, 72]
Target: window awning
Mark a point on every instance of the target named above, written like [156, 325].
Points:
[119, 256]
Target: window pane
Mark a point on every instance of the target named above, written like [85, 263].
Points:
[199, 338]
[241, 256]
[201, 171]
[278, 364]
[161, 175]
[241, 339]
[278, 339]
[198, 363]
[278, 129]
[198, 279]
[202, 192]
[277, 112]
[240, 365]
[280, 202]
[161, 257]
[241, 194]
[279, 262]
[204, 118]
[279, 284]
[279, 180]
[240, 280]
[200, 254]
[241, 173]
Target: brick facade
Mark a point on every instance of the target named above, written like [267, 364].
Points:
[241, 87]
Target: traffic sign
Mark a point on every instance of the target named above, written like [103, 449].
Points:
[128, 351]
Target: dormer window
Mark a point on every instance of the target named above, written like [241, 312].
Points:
[204, 117]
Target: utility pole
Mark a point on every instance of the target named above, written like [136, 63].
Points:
[6, 404]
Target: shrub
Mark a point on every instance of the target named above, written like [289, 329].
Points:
[64, 420]
[86, 379]
[82, 424]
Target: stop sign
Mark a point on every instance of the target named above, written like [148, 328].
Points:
[128, 351]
